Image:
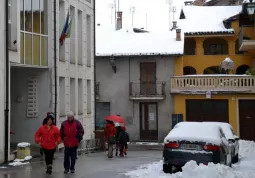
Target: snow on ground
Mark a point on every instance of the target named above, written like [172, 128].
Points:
[245, 168]
[18, 163]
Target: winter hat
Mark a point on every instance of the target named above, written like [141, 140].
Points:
[70, 114]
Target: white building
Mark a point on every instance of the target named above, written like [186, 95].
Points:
[32, 81]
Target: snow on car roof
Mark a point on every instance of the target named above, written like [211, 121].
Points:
[195, 132]
[226, 128]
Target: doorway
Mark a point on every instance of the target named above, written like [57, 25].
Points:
[148, 78]
[148, 121]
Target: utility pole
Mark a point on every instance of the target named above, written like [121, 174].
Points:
[111, 7]
[169, 2]
[115, 18]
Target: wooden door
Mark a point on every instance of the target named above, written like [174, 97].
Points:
[207, 110]
[148, 78]
[148, 121]
[247, 119]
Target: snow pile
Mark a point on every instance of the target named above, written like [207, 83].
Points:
[196, 132]
[211, 20]
[245, 168]
[18, 163]
[23, 145]
[122, 43]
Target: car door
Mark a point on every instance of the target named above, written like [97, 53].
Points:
[226, 147]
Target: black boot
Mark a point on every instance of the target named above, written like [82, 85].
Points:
[49, 169]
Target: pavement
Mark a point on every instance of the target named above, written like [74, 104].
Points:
[94, 165]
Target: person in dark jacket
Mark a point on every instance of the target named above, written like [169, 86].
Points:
[71, 133]
[110, 137]
[48, 135]
[118, 129]
[123, 139]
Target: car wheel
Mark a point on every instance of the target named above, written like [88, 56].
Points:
[167, 168]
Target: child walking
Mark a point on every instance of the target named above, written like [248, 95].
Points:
[123, 139]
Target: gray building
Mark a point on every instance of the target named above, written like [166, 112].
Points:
[133, 73]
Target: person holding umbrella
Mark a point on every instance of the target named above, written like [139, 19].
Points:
[110, 136]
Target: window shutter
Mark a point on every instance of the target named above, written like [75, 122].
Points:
[32, 97]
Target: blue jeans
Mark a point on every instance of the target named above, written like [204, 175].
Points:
[70, 158]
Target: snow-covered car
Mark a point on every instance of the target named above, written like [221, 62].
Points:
[233, 139]
[196, 141]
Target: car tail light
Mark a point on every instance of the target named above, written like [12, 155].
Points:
[211, 148]
[172, 145]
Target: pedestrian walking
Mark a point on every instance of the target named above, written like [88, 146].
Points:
[48, 135]
[71, 133]
[110, 137]
[123, 139]
[118, 129]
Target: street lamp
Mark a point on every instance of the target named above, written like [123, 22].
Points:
[250, 8]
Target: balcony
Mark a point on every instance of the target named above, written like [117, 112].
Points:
[247, 38]
[147, 91]
[97, 91]
[217, 84]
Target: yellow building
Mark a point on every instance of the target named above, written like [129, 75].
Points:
[202, 90]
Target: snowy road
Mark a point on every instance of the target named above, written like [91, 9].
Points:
[245, 168]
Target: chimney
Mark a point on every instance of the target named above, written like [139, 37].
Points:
[178, 35]
[174, 25]
[119, 20]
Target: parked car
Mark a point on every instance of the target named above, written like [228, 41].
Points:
[196, 141]
[233, 139]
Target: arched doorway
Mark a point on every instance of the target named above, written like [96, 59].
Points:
[188, 70]
[242, 69]
[213, 70]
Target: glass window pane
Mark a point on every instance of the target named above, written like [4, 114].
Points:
[28, 48]
[21, 14]
[43, 9]
[36, 16]
[36, 50]
[152, 116]
[22, 48]
[44, 51]
[28, 15]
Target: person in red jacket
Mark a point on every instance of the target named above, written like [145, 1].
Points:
[48, 135]
[71, 133]
[110, 137]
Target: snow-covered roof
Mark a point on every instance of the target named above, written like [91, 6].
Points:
[127, 43]
[195, 132]
[207, 19]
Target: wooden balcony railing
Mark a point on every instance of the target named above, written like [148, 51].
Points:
[224, 83]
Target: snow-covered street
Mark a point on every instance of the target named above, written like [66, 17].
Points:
[245, 168]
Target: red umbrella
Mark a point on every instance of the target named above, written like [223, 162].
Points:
[115, 118]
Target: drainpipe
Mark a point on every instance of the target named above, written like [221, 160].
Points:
[94, 7]
[55, 58]
[6, 145]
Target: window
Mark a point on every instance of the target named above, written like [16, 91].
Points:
[32, 97]
[80, 96]
[89, 44]
[103, 110]
[72, 36]
[189, 46]
[62, 96]
[72, 95]
[215, 46]
[89, 97]
[80, 38]
[33, 29]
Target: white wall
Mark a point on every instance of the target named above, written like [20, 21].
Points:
[76, 70]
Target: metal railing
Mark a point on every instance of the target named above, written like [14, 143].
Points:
[146, 89]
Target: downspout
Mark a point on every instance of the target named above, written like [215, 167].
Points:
[94, 6]
[6, 145]
[55, 58]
